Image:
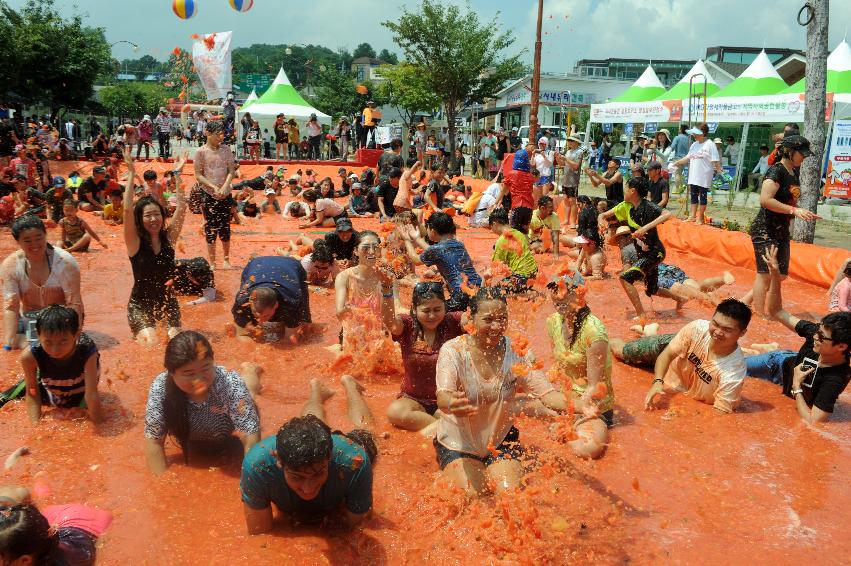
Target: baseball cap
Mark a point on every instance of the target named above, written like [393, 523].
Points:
[343, 224]
[59, 181]
[353, 176]
[357, 186]
[269, 192]
[543, 141]
[694, 132]
[797, 143]
[623, 231]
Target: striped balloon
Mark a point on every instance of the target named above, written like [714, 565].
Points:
[241, 5]
[184, 9]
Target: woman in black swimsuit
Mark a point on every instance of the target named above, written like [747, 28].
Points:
[150, 245]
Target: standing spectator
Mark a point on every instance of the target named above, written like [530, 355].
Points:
[544, 164]
[23, 165]
[680, 143]
[572, 163]
[145, 131]
[663, 149]
[368, 124]
[420, 139]
[703, 161]
[519, 182]
[760, 169]
[731, 152]
[605, 151]
[163, 125]
[314, 137]
[514, 141]
[344, 134]
[593, 153]
[293, 139]
[659, 191]
[282, 131]
[253, 139]
[777, 199]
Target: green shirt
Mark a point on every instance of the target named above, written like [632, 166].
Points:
[522, 263]
[537, 225]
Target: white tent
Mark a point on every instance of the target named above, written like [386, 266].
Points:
[283, 98]
[249, 101]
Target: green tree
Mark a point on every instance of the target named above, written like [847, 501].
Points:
[51, 59]
[388, 57]
[364, 50]
[335, 94]
[406, 89]
[132, 100]
[461, 58]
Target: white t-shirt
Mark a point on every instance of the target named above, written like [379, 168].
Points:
[700, 167]
[544, 163]
[315, 276]
[330, 207]
[718, 381]
[495, 400]
[479, 217]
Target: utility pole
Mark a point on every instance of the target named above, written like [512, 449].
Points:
[536, 77]
[814, 15]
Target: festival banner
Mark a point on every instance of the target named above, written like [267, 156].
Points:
[211, 55]
[838, 173]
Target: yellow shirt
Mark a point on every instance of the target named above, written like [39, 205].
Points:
[522, 263]
[537, 225]
[367, 117]
[573, 360]
[112, 213]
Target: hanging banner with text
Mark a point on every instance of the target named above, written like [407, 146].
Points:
[838, 173]
[774, 109]
[211, 55]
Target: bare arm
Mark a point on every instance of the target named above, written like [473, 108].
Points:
[595, 364]
[392, 321]
[131, 236]
[840, 275]
[91, 373]
[90, 232]
[663, 362]
[155, 455]
[33, 393]
[341, 293]
[176, 225]
[664, 217]
[258, 521]
[320, 218]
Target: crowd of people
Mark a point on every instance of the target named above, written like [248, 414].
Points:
[465, 378]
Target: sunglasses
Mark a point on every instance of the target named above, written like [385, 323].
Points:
[821, 337]
[429, 287]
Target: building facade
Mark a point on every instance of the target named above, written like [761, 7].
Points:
[669, 71]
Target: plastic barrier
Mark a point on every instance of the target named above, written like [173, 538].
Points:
[809, 263]
[368, 157]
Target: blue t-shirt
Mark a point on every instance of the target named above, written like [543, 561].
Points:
[289, 280]
[451, 259]
[349, 481]
[680, 145]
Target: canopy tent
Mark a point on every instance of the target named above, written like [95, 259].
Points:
[759, 79]
[283, 98]
[681, 89]
[248, 101]
[838, 72]
[647, 87]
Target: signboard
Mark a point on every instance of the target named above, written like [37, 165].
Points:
[651, 127]
[552, 97]
[627, 128]
[608, 128]
[775, 109]
[211, 56]
[260, 82]
[838, 172]
[713, 126]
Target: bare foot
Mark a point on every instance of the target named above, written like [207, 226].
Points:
[321, 389]
[728, 278]
[349, 381]
[651, 329]
[680, 303]
[689, 219]
[637, 328]
[226, 265]
[769, 347]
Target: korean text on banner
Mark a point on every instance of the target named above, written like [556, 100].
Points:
[838, 174]
[212, 58]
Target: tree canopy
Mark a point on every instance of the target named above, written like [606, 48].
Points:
[133, 99]
[406, 88]
[50, 59]
[461, 58]
[364, 50]
[335, 93]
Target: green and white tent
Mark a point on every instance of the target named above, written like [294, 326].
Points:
[680, 90]
[283, 98]
[838, 72]
[248, 101]
[759, 79]
[647, 87]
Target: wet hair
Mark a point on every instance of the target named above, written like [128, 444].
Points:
[791, 129]
[138, 212]
[184, 348]
[396, 144]
[27, 222]
[737, 310]
[24, 531]
[640, 184]
[215, 127]
[116, 193]
[545, 200]
[330, 186]
[394, 173]
[763, 148]
[149, 175]
[437, 166]
[441, 223]
[683, 128]
[578, 321]
[311, 195]
[498, 216]
[303, 441]
[321, 252]
[263, 298]
[486, 294]
[411, 161]
[585, 199]
[424, 291]
[57, 319]
[71, 202]
[847, 270]
[839, 324]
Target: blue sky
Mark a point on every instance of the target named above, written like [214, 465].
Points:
[573, 29]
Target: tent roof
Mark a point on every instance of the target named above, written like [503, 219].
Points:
[647, 87]
[759, 79]
[251, 98]
[680, 90]
[838, 72]
[282, 97]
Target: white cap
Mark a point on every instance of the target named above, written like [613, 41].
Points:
[543, 141]
[269, 192]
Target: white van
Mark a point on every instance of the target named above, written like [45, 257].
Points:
[560, 135]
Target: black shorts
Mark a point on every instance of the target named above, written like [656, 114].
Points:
[146, 314]
[217, 215]
[570, 192]
[429, 406]
[508, 449]
[521, 217]
[279, 138]
[516, 284]
[646, 268]
[761, 245]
